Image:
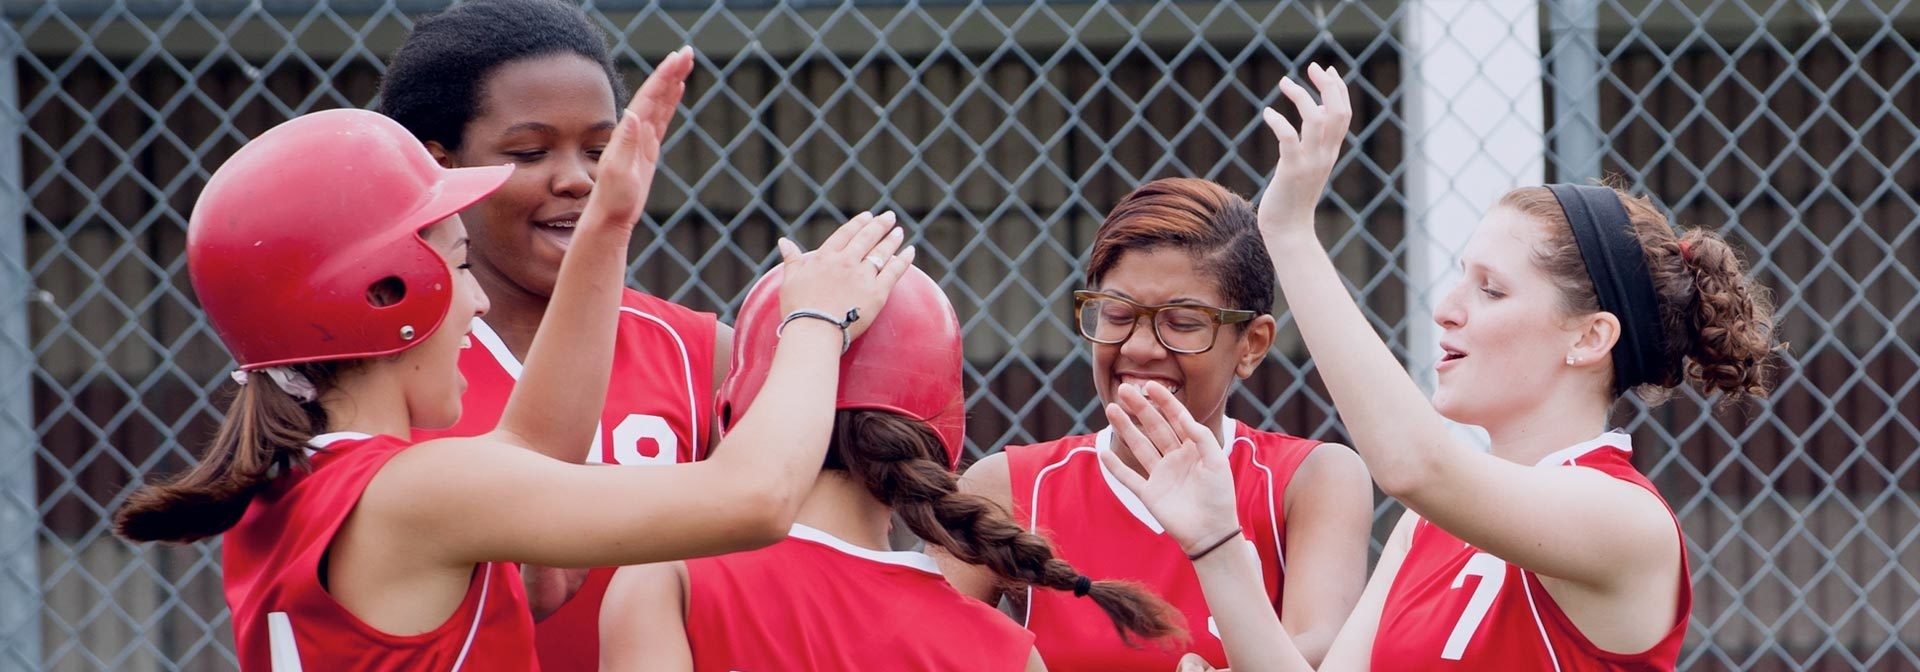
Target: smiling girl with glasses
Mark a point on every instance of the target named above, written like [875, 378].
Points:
[1179, 285]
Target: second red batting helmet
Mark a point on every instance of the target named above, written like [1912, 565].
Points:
[908, 361]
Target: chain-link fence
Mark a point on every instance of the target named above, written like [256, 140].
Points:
[1002, 131]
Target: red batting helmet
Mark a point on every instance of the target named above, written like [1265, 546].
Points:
[908, 361]
[291, 232]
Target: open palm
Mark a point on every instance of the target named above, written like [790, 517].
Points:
[632, 155]
[1189, 485]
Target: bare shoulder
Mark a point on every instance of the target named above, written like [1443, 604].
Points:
[1330, 468]
[991, 478]
[639, 581]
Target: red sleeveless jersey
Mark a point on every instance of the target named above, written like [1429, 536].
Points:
[816, 602]
[1455, 607]
[658, 411]
[285, 620]
[1062, 491]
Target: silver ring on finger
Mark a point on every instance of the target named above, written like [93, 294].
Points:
[879, 264]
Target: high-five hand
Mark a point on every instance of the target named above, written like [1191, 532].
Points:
[1189, 486]
[632, 155]
[1306, 156]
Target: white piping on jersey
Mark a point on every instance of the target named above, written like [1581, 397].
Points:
[907, 559]
[478, 613]
[1527, 586]
[686, 364]
[1273, 514]
[487, 338]
[1033, 519]
[1618, 440]
[321, 441]
[513, 367]
[283, 651]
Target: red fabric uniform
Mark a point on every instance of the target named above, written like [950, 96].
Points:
[658, 411]
[1455, 607]
[1062, 491]
[815, 602]
[282, 615]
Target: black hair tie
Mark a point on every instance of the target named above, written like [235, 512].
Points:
[1082, 584]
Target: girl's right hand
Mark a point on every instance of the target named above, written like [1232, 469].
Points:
[1307, 155]
[855, 269]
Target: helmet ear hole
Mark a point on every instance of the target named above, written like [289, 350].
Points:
[388, 291]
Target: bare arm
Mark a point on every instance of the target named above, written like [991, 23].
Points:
[1573, 524]
[988, 478]
[497, 503]
[1329, 509]
[1352, 649]
[643, 624]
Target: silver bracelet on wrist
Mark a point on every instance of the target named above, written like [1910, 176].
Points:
[846, 337]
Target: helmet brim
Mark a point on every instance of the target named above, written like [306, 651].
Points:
[459, 188]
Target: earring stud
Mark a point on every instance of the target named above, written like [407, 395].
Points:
[1570, 361]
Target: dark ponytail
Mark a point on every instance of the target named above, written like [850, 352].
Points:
[902, 463]
[265, 433]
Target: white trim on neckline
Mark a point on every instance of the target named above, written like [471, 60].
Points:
[490, 340]
[1103, 442]
[320, 441]
[908, 559]
[1614, 439]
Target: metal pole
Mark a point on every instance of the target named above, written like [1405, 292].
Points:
[1574, 57]
[1476, 127]
[19, 517]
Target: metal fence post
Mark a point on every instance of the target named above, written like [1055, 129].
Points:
[1573, 55]
[19, 516]
[1475, 130]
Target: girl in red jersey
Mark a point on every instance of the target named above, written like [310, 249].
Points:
[1551, 553]
[1179, 288]
[531, 82]
[832, 596]
[328, 258]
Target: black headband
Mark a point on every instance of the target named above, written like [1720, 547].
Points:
[1618, 267]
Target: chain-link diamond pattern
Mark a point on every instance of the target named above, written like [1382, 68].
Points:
[1002, 132]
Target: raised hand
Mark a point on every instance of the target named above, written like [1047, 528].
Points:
[1306, 155]
[856, 268]
[632, 155]
[1189, 486]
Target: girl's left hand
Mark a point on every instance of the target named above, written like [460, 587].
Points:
[1189, 485]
